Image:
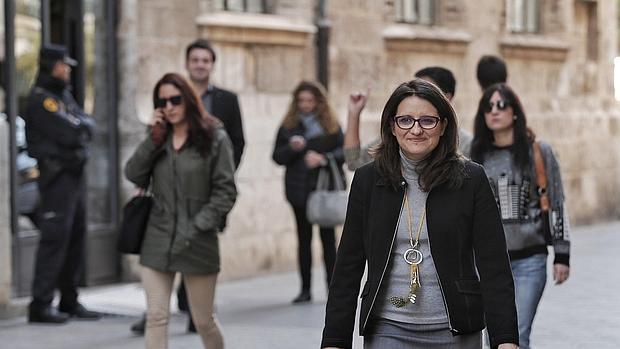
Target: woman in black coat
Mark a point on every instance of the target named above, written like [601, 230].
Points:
[309, 134]
[425, 221]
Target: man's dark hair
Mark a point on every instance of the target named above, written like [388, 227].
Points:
[491, 70]
[203, 44]
[442, 77]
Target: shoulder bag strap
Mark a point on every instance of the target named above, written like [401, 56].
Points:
[541, 177]
[322, 182]
[338, 180]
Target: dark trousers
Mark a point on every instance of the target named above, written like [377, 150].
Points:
[61, 219]
[304, 248]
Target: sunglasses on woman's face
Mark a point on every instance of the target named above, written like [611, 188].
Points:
[163, 102]
[501, 105]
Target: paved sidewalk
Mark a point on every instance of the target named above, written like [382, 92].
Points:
[256, 313]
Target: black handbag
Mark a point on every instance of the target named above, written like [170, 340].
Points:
[135, 218]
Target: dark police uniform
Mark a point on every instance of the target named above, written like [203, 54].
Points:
[58, 133]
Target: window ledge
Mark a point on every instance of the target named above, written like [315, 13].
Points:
[432, 39]
[532, 46]
[254, 28]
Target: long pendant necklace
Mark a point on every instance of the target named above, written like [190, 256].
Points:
[413, 256]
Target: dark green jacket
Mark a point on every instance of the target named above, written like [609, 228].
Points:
[192, 193]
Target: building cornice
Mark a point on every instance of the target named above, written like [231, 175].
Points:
[427, 39]
[254, 28]
[534, 46]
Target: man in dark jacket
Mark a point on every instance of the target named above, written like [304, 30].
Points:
[223, 104]
[58, 133]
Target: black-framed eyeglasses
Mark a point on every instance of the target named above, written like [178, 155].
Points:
[502, 104]
[174, 100]
[406, 122]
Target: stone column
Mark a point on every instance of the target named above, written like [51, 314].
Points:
[5, 222]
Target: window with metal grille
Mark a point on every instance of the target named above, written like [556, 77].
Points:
[523, 16]
[415, 11]
[252, 6]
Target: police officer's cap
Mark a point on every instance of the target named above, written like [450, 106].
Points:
[51, 53]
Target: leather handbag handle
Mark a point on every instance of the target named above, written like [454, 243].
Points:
[338, 180]
[322, 183]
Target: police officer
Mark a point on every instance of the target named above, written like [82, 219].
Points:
[58, 133]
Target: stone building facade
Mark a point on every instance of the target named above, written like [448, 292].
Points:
[559, 53]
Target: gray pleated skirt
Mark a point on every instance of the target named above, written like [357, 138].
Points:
[389, 334]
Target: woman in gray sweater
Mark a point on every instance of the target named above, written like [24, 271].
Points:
[506, 147]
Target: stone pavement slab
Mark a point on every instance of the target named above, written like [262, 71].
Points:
[256, 313]
[585, 311]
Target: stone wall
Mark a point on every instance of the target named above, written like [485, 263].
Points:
[567, 93]
[262, 61]
[5, 219]
[260, 57]
[566, 89]
[152, 35]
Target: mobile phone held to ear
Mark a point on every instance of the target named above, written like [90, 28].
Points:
[159, 131]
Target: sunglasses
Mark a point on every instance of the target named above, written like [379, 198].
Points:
[501, 105]
[163, 102]
[406, 122]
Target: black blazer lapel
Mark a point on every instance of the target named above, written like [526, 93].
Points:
[385, 210]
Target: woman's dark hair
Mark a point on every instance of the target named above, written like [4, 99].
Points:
[201, 125]
[483, 136]
[324, 113]
[442, 165]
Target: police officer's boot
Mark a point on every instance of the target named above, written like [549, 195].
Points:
[46, 315]
[78, 311]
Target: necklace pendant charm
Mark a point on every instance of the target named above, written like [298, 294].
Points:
[413, 256]
[412, 298]
[398, 302]
[414, 284]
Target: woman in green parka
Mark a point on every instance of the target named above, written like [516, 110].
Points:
[187, 159]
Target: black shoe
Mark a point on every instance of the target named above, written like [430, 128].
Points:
[303, 297]
[79, 312]
[46, 316]
[138, 326]
[191, 328]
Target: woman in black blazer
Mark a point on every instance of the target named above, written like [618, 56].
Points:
[425, 221]
[308, 135]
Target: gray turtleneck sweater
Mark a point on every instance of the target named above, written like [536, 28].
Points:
[429, 307]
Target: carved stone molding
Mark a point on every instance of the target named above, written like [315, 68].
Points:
[534, 47]
[426, 39]
[246, 28]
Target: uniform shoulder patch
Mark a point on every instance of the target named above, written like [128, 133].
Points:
[50, 104]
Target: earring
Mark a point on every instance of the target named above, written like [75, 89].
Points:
[514, 117]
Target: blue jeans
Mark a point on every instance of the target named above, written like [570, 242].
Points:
[530, 275]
